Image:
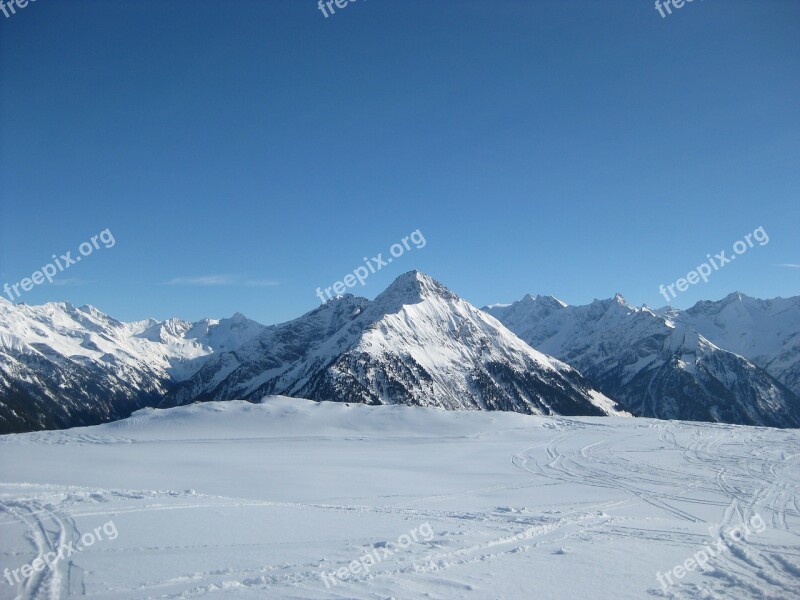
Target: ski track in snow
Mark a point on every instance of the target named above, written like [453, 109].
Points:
[579, 489]
[760, 488]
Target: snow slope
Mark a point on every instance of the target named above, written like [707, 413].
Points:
[240, 500]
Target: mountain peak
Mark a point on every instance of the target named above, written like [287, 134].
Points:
[542, 301]
[531, 308]
[734, 301]
[417, 276]
[736, 297]
[618, 301]
[413, 287]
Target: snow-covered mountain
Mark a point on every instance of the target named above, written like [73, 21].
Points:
[62, 366]
[765, 331]
[651, 364]
[417, 343]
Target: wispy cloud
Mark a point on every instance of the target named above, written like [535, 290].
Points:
[261, 282]
[69, 281]
[222, 280]
[202, 280]
[789, 265]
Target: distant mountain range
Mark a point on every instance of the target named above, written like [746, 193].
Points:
[673, 364]
[417, 343]
[765, 331]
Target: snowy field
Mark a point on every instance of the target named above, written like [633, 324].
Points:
[234, 500]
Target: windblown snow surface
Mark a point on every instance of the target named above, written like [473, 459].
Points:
[240, 500]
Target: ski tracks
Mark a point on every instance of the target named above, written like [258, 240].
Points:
[735, 471]
[48, 531]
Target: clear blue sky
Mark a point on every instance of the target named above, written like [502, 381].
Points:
[574, 148]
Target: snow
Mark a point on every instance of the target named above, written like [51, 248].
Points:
[173, 348]
[239, 500]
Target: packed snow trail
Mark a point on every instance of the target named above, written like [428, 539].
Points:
[234, 500]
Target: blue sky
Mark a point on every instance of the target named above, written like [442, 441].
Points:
[245, 152]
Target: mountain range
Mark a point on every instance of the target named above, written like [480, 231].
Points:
[673, 364]
[417, 343]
